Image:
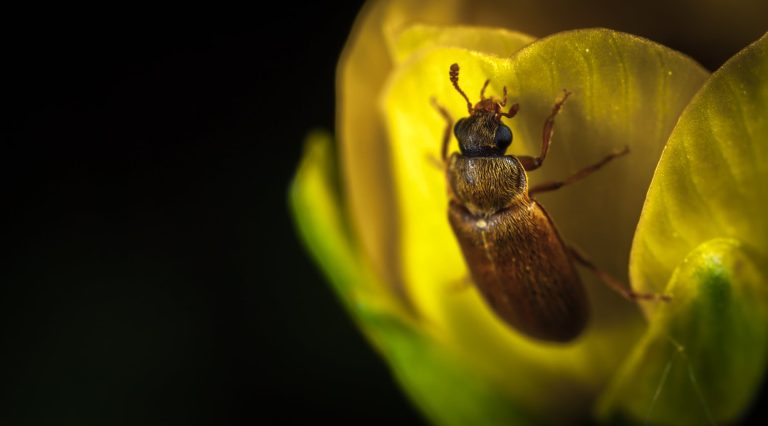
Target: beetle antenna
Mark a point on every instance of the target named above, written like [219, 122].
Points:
[454, 73]
[482, 91]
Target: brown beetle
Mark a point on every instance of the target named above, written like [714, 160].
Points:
[515, 255]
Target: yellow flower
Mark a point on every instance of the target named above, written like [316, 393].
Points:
[374, 214]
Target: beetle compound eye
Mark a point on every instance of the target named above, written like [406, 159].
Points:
[503, 137]
[458, 128]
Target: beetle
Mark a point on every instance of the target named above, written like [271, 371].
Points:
[515, 255]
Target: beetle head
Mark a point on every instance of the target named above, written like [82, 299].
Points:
[482, 134]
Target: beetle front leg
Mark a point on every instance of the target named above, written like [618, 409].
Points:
[533, 163]
[448, 128]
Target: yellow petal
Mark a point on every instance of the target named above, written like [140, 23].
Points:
[627, 91]
[361, 76]
[710, 181]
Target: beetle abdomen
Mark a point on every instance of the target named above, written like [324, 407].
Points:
[523, 270]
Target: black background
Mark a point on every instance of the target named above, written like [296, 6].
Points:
[152, 274]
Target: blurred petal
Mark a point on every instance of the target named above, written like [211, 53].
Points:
[627, 91]
[315, 201]
[362, 72]
[436, 380]
[495, 41]
[704, 355]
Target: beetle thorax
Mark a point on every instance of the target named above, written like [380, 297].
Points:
[486, 185]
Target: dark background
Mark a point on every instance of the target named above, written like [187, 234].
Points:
[152, 275]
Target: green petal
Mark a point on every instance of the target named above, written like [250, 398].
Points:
[436, 380]
[704, 231]
[704, 354]
[314, 199]
[626, 91]
[710, 182]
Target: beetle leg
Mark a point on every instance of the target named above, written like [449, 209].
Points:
[581, 174]
[512, 111]
[449, 125]
[612, 282]
[533, 163]
[461, 285]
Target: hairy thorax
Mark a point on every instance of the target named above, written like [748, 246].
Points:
[487, 185]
